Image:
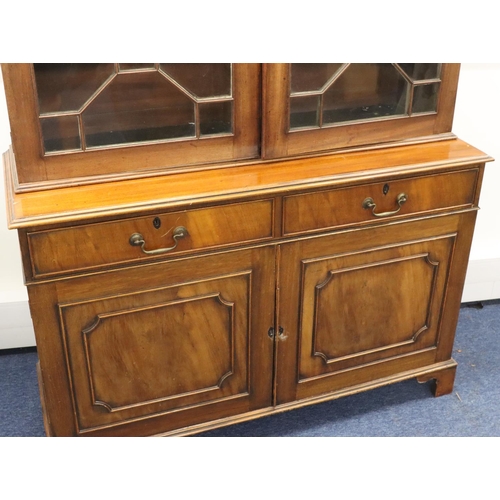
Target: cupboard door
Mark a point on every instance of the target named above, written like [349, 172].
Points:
[77, 123]
[365, 305]
[323, 106]
[151, 349]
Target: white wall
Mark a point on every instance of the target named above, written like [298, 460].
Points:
[11, 282]
[15, 323]
[477, 116]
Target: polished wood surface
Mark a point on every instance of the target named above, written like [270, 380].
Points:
[443, 379]
[132, 357]
[103, 244]
[221, 184]
[351, 309]
[353, 303]
[341, 207]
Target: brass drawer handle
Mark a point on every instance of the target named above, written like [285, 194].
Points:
[137, 240]
[370, 204]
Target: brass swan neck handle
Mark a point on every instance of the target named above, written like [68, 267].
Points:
[137, 240]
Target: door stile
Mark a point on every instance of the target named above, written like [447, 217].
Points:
[276, 326]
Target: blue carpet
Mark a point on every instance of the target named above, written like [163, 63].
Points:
[20, 408]
[404, 409]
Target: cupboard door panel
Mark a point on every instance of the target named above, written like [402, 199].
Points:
[362, 305]
[166, 349]
[357, 309]
[147, 349]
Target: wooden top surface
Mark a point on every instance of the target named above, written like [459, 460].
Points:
[108, 199]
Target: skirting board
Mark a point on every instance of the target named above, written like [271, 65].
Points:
[482, 281]
[16, 329]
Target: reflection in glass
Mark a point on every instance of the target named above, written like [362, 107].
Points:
[425, 98]
[201, 80]
[324, 95]
[304, 111]
[366, 91]
[137, 107]
[216, 117]
[421, 71]
[60, 133]
[67, 87]
[311, 76]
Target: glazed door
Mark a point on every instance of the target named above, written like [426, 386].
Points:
[364, 305]
[168, 345]
[74, 123]
[324, 106]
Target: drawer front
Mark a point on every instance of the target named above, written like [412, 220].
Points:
[392, 199]
[92, 246]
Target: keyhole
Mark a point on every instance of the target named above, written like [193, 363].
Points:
[157, 222]
[386, 189]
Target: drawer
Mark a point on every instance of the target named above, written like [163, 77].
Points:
[92, 246]
[392, 199]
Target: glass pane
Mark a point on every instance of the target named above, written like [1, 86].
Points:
[216, 117]
[421, 71]
[366, 91]
[305, 76]
[66, 87]
[425, 98]
[304, 111]
[137, 107]
[201, 80]
[129, 66]
[60, 133]
[133, 105]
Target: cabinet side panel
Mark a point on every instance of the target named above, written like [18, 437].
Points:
[456, 281]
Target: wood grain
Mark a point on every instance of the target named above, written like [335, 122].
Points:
[93, 246]
[341, 207]
[145, 367]
[223, 184]
[362, 335]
